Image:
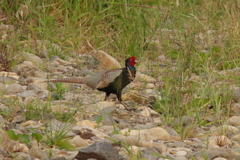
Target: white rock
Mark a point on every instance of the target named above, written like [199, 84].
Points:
[218, 141]
[234, 120]
[156, 133]
[181, 153]
[143, 77]
[106, 61]
[79, 142]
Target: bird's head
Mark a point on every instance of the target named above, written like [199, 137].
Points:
[131, 61]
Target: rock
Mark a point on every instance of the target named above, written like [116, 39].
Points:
[159, 133]
[149, 153]
[30, 122]
[61, 62]
[19, 118]
[156, 133]
[11, 146]
[27, 94]
[236, 94]
[133, 95]
[100, 150]
[2, 120]
[105, 60]
[234, 120]
[99, 106]
[7, 80]
[87, 123]
[36, 151]
[2, 87]
[79, 142]
[124, 124]
[87, 132]
[10, 75]
[144, 111]
[31, 57]
[225, 129]
[35, 80]
[3, 153]
[37, 87]
[14, 88]
[236, 108]
[108, 110]
[218, 141]
[160, 147]
[144, 77]
[219, 158]
[21, 155]
[26, 69]
[176, 144]
[221, 152]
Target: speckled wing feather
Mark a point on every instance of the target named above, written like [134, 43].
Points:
[108, 77]
[95, 81]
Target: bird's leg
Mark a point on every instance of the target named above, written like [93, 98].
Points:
[119, 97]
[106, 96]
[126, 107]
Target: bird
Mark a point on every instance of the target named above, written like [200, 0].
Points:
[110, 81]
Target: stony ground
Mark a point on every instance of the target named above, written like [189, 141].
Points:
[101, 130]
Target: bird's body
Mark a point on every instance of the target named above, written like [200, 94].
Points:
[109, 81]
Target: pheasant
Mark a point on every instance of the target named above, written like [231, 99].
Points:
[109, 81]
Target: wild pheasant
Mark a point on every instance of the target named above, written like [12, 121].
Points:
[109, 81]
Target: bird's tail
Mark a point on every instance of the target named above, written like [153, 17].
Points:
[67, 80]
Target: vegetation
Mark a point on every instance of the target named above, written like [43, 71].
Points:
[198, 38]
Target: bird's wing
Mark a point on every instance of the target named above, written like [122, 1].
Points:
[108, 77]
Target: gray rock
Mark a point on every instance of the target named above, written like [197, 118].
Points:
[26, 94]
[14, 88]
[60, 158]
[108, 110]
[2, 120]
[5, 80]
[236, 94]
[3, 152]
[34, 87]
[149, 153]
[176, 144]
[85, 72]
[31, 57]
[236, 108]
[21, 155]
[2, 87]
[26, 69]
[100, 151]
[221, 152]
[124, 124]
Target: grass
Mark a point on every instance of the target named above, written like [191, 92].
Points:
[200, 40]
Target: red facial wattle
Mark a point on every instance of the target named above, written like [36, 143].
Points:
[132, 61]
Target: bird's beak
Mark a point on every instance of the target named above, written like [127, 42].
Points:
[136, 61]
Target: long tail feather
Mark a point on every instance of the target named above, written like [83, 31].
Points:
[67, 80]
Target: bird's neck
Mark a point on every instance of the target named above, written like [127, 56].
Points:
[131, 68]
